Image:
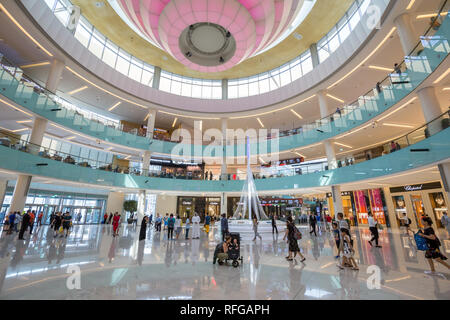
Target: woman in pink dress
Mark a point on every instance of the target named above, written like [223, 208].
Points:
[116, 220]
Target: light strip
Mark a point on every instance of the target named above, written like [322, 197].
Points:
[127, 157]
[147, 116]
[354, 131]
[14, 107]
[272, 111]
[411, 3]
[2, 8]
[381, 68]
[201, 125]
[343, 145]
[335, 98]
[299, 116]
[104, 90]
[446, 89]
[174, 122]
[366, 59]
[397, 125]
[115, 106]
[24, 121]
[430, 15]
[260, 122]
[71, 138]
[39, 64]
[184, 116]
[19, 130]
[299, 154]
[398, 109]
[442, 76]
[77, 90]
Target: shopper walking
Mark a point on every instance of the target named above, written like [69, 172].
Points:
[445, 220]
[274, 224]
[67, 222]
[433, 252]
[290, 234]
[224, 226]
[187, 228]
[116, 223]
[207, 223]
[31, 223]
[40, 216]
[110, 218]
[255, 229]
[373, 227]
[57, 223]
[177, 227]
[158, 223]
[195, 226]
[11, 219]
[312, 224]
[170, 226]
[143, 231]
[25, 223]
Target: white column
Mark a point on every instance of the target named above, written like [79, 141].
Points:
[151, 123]
[314, 54]
[54, 76]
[20, 193]
[431, 108]
[115, 202]
[146, 162]
[337, 200]
[224, 89]
[3, 186]
[406, 32]
[444, 170]
[37, 134]
[323, 104]
[223, 170]
[331, 154]
[224, 203]
[156, 78]
[141, 205]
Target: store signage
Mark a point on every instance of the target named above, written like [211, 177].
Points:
[285, 162]
[417, 187]
[343, 193]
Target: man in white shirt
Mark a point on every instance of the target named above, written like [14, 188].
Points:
[407, 223]
[374, 230]
[195, 226]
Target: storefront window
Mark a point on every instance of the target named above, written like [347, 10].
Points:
[399, 207]
[439, 206]
[418, 209]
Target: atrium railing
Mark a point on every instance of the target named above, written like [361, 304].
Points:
[10, 141]
[432, 49]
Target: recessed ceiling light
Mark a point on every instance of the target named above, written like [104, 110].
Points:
[99, 4]
[165, 58]
[77, 90]
[298, 36]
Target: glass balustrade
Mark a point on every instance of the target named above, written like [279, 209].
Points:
[8, 140]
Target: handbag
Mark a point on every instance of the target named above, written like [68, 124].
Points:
[297, 234]
[421, 242]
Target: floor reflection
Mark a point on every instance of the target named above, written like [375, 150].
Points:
[156, 268]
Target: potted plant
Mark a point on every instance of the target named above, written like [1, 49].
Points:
[131, 207]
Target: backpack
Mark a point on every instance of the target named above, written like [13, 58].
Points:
[421, 242]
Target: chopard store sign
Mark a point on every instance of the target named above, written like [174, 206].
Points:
[417, 187]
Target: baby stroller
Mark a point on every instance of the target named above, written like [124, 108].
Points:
[234, 251]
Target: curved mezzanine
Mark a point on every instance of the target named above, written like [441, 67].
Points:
[433, 51]
[434, 149]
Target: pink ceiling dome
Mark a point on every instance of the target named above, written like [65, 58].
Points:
[211, 35]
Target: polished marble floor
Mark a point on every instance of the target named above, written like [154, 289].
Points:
[155, 268]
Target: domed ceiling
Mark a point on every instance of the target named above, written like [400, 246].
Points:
[213, 35]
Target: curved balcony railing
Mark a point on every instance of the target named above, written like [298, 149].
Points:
[47, 157]
[429, 53]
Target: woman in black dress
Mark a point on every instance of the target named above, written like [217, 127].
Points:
[433, 252]
[143, 231]
[293, 244]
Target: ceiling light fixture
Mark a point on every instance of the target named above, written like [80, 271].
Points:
[366, 59]
[183, 116]
[77, 90]
[104, 90]
[114, 106]
[446, 89]
[431, 15]
[411, 3]
[381, 68]
[2, 8]
[335, 98]
[398, 109]
[24, 121]
[398, 125]
[442, 76]
[19, 130]
[343, 145]
[71, 138]
[174, 122]
[260, 122]
[299, 154]
[15, 108]
[298, 116]
[39, 64]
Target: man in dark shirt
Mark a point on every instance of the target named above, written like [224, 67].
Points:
[274, 224]
[224, 226]
[25, 223]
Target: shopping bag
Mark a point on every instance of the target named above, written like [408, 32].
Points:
[297, 234]
[60, 230]
[421, 242]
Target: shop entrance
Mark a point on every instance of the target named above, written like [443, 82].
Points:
[418, 209]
